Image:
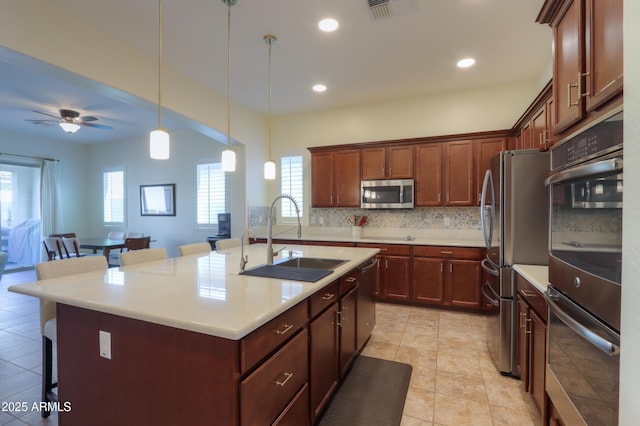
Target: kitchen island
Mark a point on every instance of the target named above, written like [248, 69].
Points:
[190, 341]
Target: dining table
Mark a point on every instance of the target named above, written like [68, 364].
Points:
[101, 243]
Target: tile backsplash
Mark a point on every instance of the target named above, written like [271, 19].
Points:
[417, 218]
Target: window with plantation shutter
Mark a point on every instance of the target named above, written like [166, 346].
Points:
[211, 194]
[113, 197]
[291, 183]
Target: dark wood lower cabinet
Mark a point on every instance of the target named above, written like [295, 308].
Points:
[531, 341]
[323, 357]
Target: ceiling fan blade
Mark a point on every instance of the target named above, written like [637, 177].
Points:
[97, 126]
[88, 118]
[57, 117]
[43, 121]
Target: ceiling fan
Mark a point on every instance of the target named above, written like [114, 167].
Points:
[70, 120]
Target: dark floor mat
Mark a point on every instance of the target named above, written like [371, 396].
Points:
[373, 394]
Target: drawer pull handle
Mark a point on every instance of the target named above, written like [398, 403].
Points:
[287, 376]
[528, 293]
[328, 296]
[445, 252]
[287, 327]
[350, 279]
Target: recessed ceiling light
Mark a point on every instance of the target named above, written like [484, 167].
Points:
[328, 24]
[319, 88]
[465, 63]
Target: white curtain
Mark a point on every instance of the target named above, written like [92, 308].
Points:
[50, 202]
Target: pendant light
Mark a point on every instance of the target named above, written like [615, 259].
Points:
[159, 138]
[229, 155]
[270, 165]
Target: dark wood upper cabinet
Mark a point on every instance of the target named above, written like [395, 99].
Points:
[587, 58]
[458, 168]
[322, 179]
[335, 178]
[387, 162]
[486, 149]
[428, 179]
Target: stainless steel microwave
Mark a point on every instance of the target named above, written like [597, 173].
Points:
[386, 194]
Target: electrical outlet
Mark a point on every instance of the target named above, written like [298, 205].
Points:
[447, 221]
[105, 344]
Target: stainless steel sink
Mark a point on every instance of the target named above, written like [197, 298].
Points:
[311, 263]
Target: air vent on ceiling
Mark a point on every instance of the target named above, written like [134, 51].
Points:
[385, 8]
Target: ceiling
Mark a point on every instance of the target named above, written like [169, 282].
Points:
[410, 53]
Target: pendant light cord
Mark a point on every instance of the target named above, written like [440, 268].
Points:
[270, 42]
[229, 74]
[160, 65]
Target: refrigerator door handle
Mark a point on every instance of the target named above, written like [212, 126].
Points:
[491, 300]
[488, 266]
[487, 209]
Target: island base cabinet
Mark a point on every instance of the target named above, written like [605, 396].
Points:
[156, 374]
[323, 354]
[268, 390]
[297, 412]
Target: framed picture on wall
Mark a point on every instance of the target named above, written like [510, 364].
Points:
[158, 200]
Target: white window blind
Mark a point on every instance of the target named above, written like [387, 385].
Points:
[292, 183]
[113, 194]
[211, 196]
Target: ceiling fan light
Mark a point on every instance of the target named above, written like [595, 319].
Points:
[228, 160]
[69, 127]
[270, 170]
[159, 144]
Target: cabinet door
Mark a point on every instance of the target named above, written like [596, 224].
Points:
[323, 358]
[374, 163]
[348, 326]
[400, 162]
[322, 179]
[526, 136]
[568, 39]
[428, 178]
[464, 283]
[396, 277]
[347, 170]
[459, 181]
[485, 151]
[428, 281]
[537, 359]
[522, 343]
[603, 48]
[539, 128]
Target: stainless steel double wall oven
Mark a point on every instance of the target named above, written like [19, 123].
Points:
[585, 265]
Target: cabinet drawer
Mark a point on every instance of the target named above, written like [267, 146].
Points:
[297, 412]
[324, 297]
[267, 338]
[389, 249]
[348, 281]
[448, 252]
[269, 389]
[532, 296]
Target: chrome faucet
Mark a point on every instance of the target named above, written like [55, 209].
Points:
[270, 252]
[244, 259]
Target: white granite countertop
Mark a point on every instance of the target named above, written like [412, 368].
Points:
[201, 293]
[537, 275]
[428, 237]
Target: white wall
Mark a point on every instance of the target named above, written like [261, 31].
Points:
[630, 327]
[188, 148]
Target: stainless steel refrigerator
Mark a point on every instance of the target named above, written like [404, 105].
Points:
[514, 216]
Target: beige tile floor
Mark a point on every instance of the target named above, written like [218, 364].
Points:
[453, 380]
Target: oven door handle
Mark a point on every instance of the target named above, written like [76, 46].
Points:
[604, 345]
[599, 168]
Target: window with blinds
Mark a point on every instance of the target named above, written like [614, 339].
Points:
[292, 183]
[113, 196]
[211, 194]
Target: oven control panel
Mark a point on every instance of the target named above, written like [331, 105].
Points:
[593, 142]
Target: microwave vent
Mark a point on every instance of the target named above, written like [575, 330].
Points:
[385, 8]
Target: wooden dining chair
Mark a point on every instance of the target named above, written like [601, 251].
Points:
[71, 247]
[66, 234]
[141, 256]
[195, 248]
[48, 324]
[137, 243]
[53, 247]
